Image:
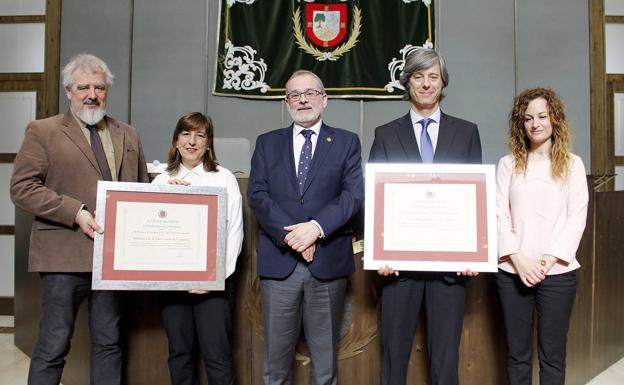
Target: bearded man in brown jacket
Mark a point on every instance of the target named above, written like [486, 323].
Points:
[55, 178]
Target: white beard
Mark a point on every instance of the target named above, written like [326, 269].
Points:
[91, 117]
[303, 117]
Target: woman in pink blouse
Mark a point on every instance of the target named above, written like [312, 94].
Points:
[541, 210]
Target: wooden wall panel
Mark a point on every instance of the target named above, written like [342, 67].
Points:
[578, 369]
[609, 282]
[483, 352]
[27, 287]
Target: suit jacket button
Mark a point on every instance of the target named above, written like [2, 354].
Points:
[301, 200]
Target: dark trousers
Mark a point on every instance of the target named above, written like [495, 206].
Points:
[553, 299]
[62, 295]
[302, 300]
[199, 324]
[401, 300]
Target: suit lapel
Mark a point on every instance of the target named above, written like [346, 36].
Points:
[323, 145]
[117, 137]
[407, 138]
[285, 137]
[75, 134]
[446, 132]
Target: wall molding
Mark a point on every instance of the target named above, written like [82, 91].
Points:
[7, 230]
[22, 19]
[7, 306]
[614, 19]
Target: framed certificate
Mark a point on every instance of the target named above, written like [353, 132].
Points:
[430, 217]
[159, 237]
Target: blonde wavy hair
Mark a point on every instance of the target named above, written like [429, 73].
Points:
[519, 143]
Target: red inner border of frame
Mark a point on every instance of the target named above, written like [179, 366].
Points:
[108, 257]
[479, 180]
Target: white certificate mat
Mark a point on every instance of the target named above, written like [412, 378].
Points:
[430, 217]
[166, 236]
[159, 237]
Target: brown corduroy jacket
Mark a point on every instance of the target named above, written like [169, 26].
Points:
[55, 173]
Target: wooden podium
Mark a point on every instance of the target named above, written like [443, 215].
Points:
[595, 339]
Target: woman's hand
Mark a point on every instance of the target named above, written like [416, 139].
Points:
[547, 262]
[531, 272]
[178, 182]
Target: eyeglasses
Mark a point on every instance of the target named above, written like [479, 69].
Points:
[310, 94]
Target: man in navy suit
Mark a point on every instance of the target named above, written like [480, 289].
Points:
[305, 187]
[424, 135]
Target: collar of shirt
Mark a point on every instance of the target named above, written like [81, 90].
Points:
[433, 129]
[316, 128]
[196, 171]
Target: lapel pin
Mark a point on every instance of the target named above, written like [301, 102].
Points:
[329, 139]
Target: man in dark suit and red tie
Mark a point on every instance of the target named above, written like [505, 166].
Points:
[424, 135]
[305, 187]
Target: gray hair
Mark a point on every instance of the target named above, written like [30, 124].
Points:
[297, 73]
[419, 60]
[88, 63]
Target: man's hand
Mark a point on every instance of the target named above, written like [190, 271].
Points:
[199, 291]
[87, 223]
[387, 270]
[468, 273]
[301, 235]
[308, 254]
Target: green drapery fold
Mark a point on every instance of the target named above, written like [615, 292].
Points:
[357, 47]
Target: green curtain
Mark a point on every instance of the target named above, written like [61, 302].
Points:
[356, 47]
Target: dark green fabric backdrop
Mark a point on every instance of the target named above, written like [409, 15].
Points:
[259, 46]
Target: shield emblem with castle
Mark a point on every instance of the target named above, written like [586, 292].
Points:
[326, 24]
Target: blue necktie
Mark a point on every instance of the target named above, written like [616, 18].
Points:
[426, 148]
[304, 159]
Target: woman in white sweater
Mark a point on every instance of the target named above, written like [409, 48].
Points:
[201, 320]
[541, 209]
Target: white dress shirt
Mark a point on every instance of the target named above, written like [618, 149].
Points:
[299, 140]
[198, 176]
[433, 129]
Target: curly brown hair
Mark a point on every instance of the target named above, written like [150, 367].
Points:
[193, 121]
[519, 143]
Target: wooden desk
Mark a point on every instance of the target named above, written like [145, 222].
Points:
[595, 339]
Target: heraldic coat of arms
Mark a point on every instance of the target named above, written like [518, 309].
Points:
[326, 25]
